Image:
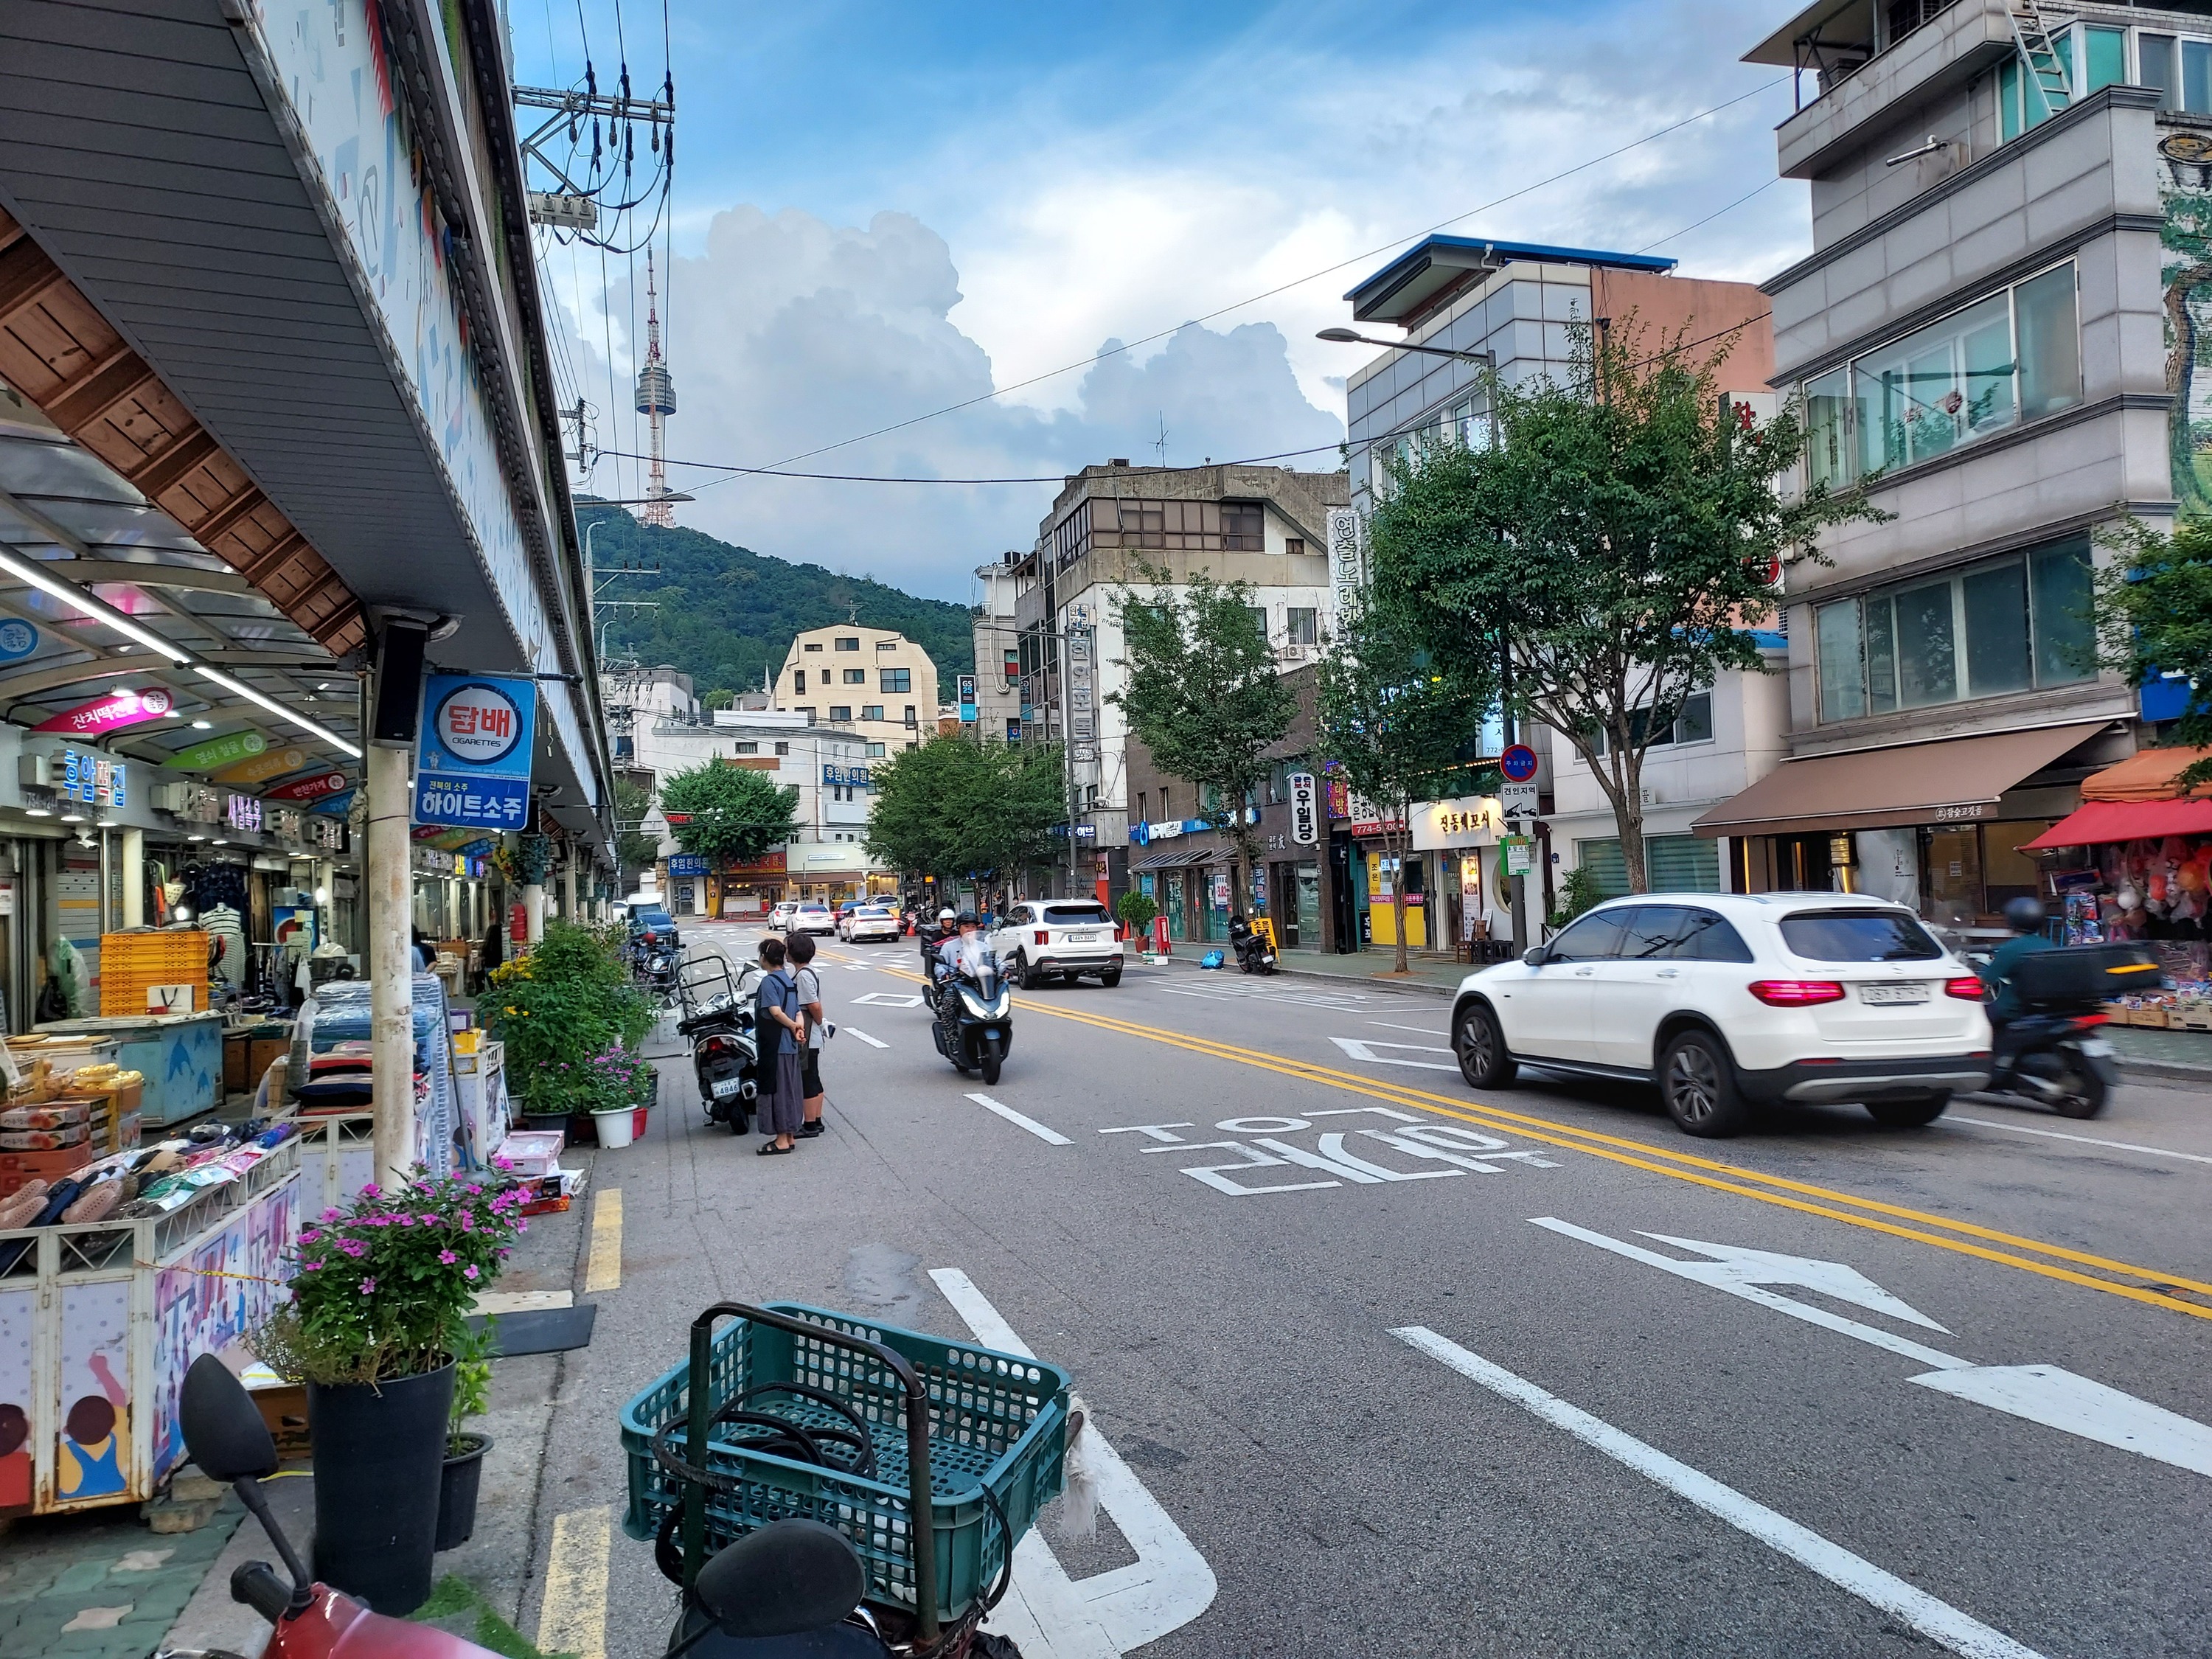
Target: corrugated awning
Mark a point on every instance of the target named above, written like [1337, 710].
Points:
[1957, 778]
[2103, 820]
[1174, 861]
[2148, 775]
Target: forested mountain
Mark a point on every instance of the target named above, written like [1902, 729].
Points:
[726, 612]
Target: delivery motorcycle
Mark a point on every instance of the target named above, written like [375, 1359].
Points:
[973, 1005]
[2053, 1053]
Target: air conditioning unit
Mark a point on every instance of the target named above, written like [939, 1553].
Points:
[167, 797]
[34, 771]
[1292, 652]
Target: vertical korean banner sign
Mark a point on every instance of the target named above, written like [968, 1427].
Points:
[472, 760]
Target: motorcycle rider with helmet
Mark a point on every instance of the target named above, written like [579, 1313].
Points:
[2025, 916]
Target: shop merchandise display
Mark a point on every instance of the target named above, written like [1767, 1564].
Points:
[331, 1045]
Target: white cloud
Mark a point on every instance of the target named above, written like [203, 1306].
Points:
[786, 334]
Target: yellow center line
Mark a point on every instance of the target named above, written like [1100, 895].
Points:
[1688, 1166]
[573, 1617]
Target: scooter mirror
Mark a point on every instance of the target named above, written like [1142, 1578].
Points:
[223, 1431]
[789, 1577]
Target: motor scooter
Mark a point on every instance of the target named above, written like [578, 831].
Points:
[227, 1438]
[717, 1021]
[791, 1590]
[973, 1005]
[1255, 951]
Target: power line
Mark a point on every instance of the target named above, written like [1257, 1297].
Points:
[1714, 215]
[1044, 477]
[1299, 281]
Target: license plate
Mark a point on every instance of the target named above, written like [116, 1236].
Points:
[726, 1086]
[1084, 937]
[2096, 1046]
[1891, 994]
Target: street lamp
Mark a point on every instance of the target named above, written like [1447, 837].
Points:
[1487, 359]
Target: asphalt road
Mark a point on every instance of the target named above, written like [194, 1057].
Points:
[1392, 1368]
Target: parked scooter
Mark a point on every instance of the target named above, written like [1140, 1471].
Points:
[2052, 1053]
[973, 1005]
[717, 1022]
[1256, 953]
[225, 1436]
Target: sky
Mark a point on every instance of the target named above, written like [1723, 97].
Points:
[881, 212]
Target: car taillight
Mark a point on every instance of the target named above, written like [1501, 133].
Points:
[2083, 1022]
[1966, 988]
[1795, 992]
[1044, 936]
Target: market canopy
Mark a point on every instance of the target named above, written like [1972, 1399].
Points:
[2138, 799]
[1907, 783]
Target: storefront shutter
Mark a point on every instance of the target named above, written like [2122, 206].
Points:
[1682, 864]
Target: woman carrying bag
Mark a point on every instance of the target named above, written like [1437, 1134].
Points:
[780, 1031]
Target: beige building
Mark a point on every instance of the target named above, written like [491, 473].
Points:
[878, 683]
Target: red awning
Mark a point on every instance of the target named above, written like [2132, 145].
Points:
[2102, 821]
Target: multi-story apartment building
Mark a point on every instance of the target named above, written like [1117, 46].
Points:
[998, 652]
[1464, 303]
[1263, 526]
[875, 680]
[1988, 334]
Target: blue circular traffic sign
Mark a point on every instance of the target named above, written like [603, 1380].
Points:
[1518, 763]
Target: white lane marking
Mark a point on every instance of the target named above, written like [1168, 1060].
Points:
[2084, 1140]
[1108, 1613]
[1393, 1025]
[2048, 1395]
[1359, 1049]
[1735, 1264]
[1051, 1137]
[854, 1030]
[886, 999]
[1938, 1620]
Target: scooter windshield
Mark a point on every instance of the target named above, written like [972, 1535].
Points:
[976, 959]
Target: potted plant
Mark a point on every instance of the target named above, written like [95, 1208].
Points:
[616, 1086]
[463, 1474]
[569, 999]
[1136, 909]
[382, 1289]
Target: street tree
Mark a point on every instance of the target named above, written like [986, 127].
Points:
[1612, 552]
[635, 850]
[1392, 721]
[951, 808]
[1203, 695]
[728, 813]
[2152, 609]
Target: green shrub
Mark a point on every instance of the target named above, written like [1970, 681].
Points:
[561, 1011]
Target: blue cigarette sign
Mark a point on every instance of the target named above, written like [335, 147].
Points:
[472, 760]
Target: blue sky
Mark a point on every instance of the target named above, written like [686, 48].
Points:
[881, 210]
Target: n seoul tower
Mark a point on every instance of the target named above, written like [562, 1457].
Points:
[656, 400]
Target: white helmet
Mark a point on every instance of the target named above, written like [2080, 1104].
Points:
[947, 914]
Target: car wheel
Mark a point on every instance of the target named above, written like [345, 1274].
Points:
[1697, 1078]
[1026, 976]
[1915, 1113]
[1111, 977]
[1483, 1059]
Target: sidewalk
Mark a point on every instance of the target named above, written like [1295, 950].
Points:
[1427, 971]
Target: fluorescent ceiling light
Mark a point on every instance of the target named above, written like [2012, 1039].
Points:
[276, 709]
[36, 573]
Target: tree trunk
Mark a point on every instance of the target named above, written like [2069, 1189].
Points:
[1628, 816]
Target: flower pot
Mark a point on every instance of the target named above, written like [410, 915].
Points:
[615, 1129]
[457, 1492]
[379, 1450]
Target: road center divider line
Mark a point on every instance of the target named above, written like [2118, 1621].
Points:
[1723, 1177]
[1938, 1620]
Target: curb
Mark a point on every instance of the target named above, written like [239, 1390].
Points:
[1309, 975]
[2163, 1071]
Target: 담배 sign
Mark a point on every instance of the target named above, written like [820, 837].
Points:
[472, 760]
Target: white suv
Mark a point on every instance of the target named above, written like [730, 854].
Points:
[1072, 937]
[1731, 1001]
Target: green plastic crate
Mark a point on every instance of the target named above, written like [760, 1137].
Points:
[997, 1421]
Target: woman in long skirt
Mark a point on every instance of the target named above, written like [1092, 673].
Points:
[778, 1024]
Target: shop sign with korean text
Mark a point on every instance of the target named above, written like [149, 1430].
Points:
[93, 780]
[259, 769]
[321, 787]
[1305, 810]
[111, 712]
[217, 752]
[472, 763]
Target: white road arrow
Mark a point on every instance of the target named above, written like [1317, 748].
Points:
[1733, 1264]
[2049, 1394]
[1050, 1616]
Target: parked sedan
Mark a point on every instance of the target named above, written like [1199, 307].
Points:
[1729, 1001]
[867, 921]
[812, 916]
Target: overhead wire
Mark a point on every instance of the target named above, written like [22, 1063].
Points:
[1282, 287]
